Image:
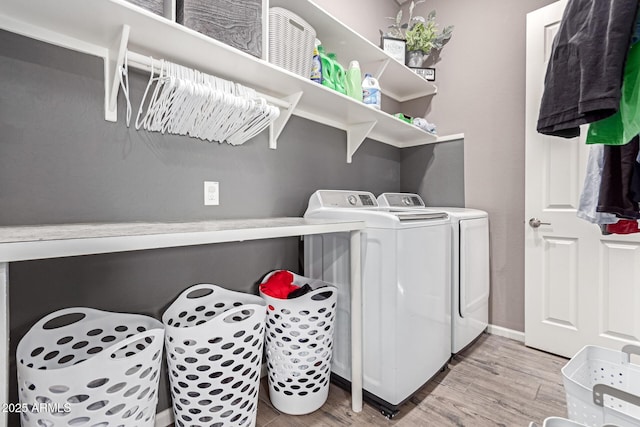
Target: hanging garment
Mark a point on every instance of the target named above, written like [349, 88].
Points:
[615, 187]
[624, 226]
[621, 127]
[635, 37]
[279, 285]
[635, 181]
[584, 75]
[591, 190]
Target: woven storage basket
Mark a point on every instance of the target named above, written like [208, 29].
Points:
[85, 367]
[299, 341]
[237, 23]
[214, 351]
[291, 41]
[603, 387]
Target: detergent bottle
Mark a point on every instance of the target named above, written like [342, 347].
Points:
[354, 81]
[316, 64]
[338, 75]
[371, 91]
[327, 68]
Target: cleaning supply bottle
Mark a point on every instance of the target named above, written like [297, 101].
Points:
[354, 81]
[371, 91]
[327, 68]
[338, 75]
[316, 64]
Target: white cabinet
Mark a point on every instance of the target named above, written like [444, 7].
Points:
[98, 27]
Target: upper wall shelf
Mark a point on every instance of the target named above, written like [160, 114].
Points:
[96, 27]
[396, 80]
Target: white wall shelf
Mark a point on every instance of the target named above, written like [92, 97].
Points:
[396, 80]
[96, 27]
[56, 241]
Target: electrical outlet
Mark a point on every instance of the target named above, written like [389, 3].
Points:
[211, 193]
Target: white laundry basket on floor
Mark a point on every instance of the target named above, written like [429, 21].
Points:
[85, 367]
[214, 340]
[557, 422]
[603, 387]
[299, 341]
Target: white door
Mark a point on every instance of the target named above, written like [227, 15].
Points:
[580, 287]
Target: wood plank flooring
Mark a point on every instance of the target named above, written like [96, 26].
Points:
[495, 382]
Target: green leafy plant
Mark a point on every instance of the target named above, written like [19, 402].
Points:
[398, 29]
[424, 36]
[421, 37]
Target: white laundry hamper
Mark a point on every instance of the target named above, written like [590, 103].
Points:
[86, 367]
[603, 387]
[557, 422]
[214, 340]
[299, 342]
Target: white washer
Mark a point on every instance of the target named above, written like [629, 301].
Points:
[406, 293]
[470, 265]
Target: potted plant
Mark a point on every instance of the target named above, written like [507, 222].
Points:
[423, 37]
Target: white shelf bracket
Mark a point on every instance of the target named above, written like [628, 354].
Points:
[381, 68]
[275, 129]
[112, 69]
[356, 135]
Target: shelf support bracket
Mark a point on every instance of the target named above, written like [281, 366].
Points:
[356, 135]
[112, 68]
[275, 129]
[382, 68]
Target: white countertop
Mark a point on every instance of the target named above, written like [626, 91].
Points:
[53, 241]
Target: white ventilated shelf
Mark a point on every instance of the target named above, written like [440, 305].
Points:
[97, 27]
[396, 80]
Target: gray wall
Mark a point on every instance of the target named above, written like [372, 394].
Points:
[481, 92]
[436, 172]
[60, 162]
[365, 17]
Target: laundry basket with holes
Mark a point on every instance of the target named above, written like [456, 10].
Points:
[81, 366]
[603, 387]
[214, 340]
[299, 343]
[557, 422]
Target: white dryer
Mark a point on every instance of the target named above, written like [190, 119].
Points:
[470, 265]
[406, 293]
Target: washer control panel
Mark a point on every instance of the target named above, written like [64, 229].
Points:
[347, 199]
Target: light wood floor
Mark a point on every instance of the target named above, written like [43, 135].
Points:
[495, 382]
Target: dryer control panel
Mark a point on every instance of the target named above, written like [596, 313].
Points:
[401, 200]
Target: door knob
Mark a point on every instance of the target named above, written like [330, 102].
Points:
[535, 223]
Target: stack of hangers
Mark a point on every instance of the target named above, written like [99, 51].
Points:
[184, 101]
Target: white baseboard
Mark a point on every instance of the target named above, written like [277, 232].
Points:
[164, 418]
[504, 332]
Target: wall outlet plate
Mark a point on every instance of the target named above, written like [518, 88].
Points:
[211, 193]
